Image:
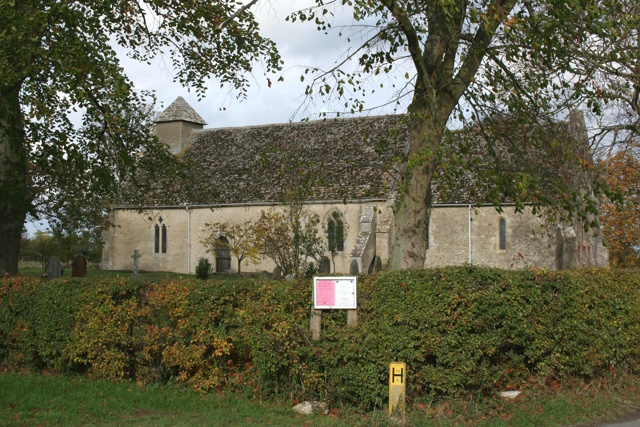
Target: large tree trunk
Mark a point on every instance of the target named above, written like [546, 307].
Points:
[413, 206]
[14, 201]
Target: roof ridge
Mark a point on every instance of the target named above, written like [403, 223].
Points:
[303, 122]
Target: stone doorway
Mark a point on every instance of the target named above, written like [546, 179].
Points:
[223, 256]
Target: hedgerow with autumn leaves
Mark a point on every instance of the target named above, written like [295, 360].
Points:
[459, 330]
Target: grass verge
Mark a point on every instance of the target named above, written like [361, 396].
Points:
[27, 400]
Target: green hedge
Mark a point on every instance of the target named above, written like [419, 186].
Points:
[459, 330]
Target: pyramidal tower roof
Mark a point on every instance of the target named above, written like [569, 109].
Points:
[178, 111]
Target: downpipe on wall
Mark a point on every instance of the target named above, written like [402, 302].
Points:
[469, 234]
[188, 239]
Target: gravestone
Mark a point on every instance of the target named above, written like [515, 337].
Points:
[375, 266]
[136, 272]
[325, 266]
[277, 273]
[79, 266]
[55, 268]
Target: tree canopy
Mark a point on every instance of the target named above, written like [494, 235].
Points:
[58, 59]
[512, 70]
[621, 222]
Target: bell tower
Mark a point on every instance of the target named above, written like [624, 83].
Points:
[174, 125]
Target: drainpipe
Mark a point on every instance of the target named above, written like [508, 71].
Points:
[469, 234]
[188, 239]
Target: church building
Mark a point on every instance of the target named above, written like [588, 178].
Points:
[346, 172]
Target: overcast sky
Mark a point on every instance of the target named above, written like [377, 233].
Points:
[300, 44]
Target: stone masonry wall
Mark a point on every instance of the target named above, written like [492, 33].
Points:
[449, 239]
[135, 231]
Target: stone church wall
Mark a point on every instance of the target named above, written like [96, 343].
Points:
[135, 230]
[527, 243]
[449, 238]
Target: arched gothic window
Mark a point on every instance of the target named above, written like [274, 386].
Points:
[160, 237]
[223, 255]
[335, 232]
[503, 234]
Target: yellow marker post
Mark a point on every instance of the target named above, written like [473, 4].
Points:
[397, 387]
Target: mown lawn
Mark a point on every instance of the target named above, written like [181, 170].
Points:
[29, 400]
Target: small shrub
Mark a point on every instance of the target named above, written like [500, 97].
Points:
[310, 269]
[203, 269]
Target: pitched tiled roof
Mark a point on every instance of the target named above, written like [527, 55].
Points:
[180, 110]
[337, 159]
[322, 160]
[334, 159]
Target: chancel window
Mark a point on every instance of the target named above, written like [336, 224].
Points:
[335, 232]
[503, 234]
[160, 237]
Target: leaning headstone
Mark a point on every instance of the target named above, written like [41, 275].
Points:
[277, 273]
[79, 266]
[325, 266]
[55, 268]
[265, 275]
[136, 271]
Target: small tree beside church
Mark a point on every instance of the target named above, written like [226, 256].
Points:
[290, 238]
[241, 240]
[336, 231]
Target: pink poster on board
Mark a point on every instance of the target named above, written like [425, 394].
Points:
[325, 293]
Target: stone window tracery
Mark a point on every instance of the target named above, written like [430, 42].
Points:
[160, 237]
[335, 232]
[503, 234]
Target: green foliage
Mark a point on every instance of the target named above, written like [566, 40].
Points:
[290, 238]
[203, 269]
[509, 70]
[43, 247]
[184, 334]
[241, 240]
[37, 320]
[621, 219]
[62, 243]
[57, 58]
[336, 231]
[460, 330]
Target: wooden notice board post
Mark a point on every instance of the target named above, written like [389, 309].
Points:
[333, 293]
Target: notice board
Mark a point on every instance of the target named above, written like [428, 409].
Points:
[335, 293]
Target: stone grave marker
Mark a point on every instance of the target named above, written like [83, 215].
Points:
[54, 271]
[325, 266]
[136, 272]
[79, 266]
